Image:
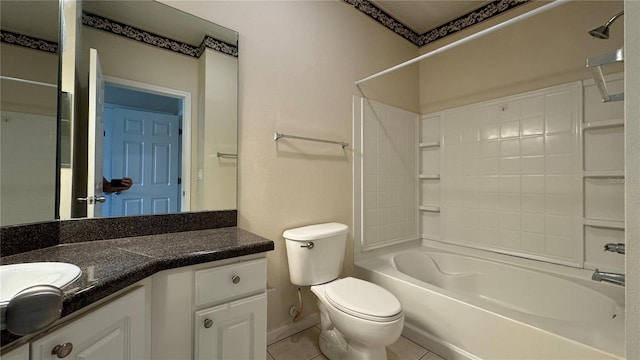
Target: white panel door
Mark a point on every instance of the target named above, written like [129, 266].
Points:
[115, 331]
[232, 331]
[146, 148]
[95, 195]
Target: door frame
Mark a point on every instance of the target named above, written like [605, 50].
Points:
[185, 201]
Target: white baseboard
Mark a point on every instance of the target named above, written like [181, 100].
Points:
[291, 328]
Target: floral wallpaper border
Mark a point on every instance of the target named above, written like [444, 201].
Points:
[130, 32]
[28, 41]
[483, 13]
[149, 38]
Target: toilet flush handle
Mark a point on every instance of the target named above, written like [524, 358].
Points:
[309, 245]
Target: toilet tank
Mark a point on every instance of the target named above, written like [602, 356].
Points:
[315, 252]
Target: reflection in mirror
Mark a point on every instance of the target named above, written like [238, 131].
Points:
[168, 106]
[28, 107]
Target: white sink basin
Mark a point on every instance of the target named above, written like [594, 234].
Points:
[17, 277]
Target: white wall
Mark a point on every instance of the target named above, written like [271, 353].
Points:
[632, 173]
[298, 62]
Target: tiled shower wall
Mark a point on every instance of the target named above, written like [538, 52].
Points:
[389, 177]
[539, 175]
[511, 175]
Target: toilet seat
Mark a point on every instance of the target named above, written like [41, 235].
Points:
[363, 299]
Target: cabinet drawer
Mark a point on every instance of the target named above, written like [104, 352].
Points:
[230, 281]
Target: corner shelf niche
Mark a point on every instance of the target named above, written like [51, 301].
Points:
[429, 154]
[602, 176]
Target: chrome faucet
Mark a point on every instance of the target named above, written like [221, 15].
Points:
[613, 278]
[616, 248]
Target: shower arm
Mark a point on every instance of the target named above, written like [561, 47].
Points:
[616, 16]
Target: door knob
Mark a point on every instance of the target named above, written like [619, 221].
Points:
[92, 199]
[235, 279]
[62, 351]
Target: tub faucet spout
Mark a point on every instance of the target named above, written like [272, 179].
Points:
[613, 278]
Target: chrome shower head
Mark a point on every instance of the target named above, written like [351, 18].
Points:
[602, 32]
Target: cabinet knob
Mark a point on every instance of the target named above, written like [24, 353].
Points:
[62, 351]
[235, 279]
[208, 323]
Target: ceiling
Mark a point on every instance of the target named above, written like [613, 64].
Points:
[424, 15]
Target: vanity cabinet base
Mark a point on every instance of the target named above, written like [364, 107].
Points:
[235, 330]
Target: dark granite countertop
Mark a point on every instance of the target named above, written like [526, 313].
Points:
[111, 265]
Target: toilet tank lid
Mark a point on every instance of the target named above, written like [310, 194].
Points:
[315, 232]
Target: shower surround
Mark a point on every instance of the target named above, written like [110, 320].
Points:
[536, 176]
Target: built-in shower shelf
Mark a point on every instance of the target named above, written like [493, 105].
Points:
[611, 224]
[603, 174]
[430, 208]
[431, 144]
[430, 177]
[603, 124]
[595, 63]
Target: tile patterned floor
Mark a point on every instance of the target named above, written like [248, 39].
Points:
[304, 346]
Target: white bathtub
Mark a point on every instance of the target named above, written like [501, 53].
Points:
[466, 307]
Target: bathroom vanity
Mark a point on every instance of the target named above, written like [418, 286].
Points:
[193, 294]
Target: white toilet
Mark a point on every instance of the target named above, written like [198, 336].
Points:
[358, 318]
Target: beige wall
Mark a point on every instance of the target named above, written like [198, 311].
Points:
[218, 130]
[20, 62]
[28, 131]
[298, 63]
[548, 49]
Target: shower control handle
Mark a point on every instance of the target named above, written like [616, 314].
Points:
[309, 245]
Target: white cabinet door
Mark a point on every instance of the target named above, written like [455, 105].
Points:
[21, 353]
[232, 331]
[115, 331]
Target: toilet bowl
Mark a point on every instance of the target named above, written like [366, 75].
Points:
[358, 318]
[366, 315]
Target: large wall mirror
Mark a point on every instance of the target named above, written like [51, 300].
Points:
[28, 108]
[147, 92]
